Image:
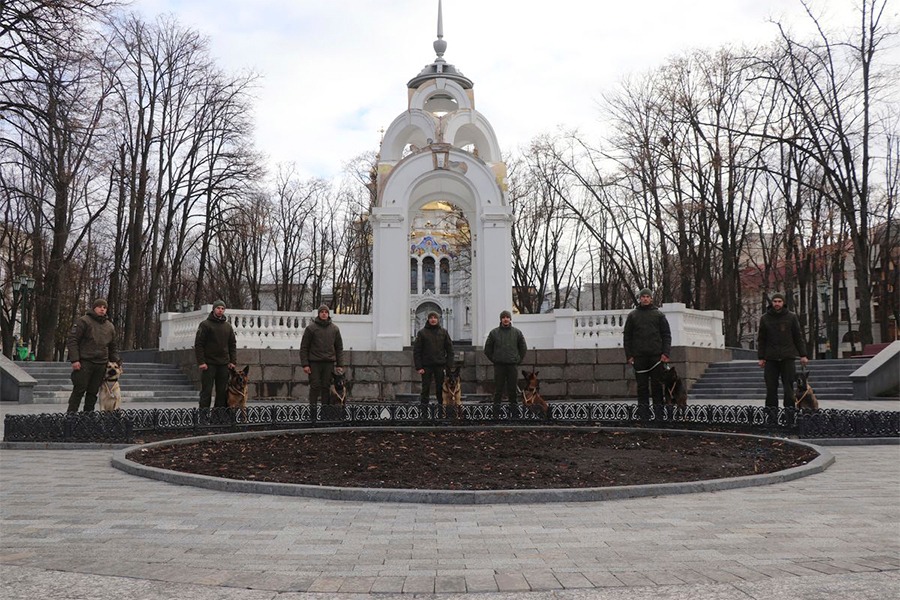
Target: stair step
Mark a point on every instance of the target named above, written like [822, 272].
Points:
[743, 379]
[140, 382]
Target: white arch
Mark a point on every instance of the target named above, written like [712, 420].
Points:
[470, 127]
[412, 127]
[440, 86]
[440, 172]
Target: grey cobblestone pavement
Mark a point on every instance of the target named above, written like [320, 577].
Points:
[71, 526]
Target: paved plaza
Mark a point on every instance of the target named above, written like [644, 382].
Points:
[74, 527]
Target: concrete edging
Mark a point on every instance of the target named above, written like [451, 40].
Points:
[121, 462]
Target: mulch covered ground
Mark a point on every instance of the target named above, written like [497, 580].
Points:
[490, 459]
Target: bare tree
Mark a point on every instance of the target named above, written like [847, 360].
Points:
[293, 205]
[547, 240]
[832, 86]
[184, 156]
[53, 98]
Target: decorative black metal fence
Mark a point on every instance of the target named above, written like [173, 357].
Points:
[126, 426]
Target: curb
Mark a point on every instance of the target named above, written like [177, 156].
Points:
[121, 462]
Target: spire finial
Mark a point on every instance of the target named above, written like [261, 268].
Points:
[440, 46]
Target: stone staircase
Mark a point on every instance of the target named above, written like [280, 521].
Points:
[140, 382]
[743, 380]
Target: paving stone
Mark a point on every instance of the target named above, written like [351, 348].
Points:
[511, 582]
[418, 585]
[385, 585]
[449, 584]
[480, 583]
[542, 580]
[326, 584]
[359, 585]
[572, 581]
[602, 579]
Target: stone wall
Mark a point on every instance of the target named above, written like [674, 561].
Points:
[380, 376]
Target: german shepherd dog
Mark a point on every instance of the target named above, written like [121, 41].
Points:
[451, 393]
[804, 397]
[674, 392]
[531, 396]
[337, 392]
[110, 394]
[237, 389]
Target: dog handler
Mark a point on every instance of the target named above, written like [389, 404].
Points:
[92, 344]
[779, 343]
[321, 348]
[506, 348]
[215, 347]
[647, 342]
[432, 352]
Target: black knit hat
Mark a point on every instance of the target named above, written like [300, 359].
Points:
[506, 314]
[645, 292]
[433, 314]
[100, 302]
[778, 296]
[219, 303]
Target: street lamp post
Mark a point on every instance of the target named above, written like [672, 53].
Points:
[23, 288]
[823, 293]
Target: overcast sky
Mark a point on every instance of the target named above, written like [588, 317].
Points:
[334, 72]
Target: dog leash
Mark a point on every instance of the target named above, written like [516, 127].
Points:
[648, 370]
[529, 398]
[799, 401]
[238, 392]
[672, 390]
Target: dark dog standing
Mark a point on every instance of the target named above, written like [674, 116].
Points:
[674, 390]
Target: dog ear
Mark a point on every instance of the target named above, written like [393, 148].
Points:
[525, 374]
[246, 370]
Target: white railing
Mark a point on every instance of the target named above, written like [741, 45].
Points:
[261, 329]
[568, 328]
[563, 328]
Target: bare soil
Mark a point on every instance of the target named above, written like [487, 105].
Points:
[485, 459]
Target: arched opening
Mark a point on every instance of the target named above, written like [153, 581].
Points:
[422, 311]
[440, 253]
[440, 104]
[428, 274]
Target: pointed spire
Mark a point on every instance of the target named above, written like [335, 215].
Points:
[440, 46]
[440, 68]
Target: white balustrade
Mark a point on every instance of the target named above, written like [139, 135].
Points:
[563, 328]
[260, 329]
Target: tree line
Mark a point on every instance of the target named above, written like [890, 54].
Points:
[774, 165]
[128, 170]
